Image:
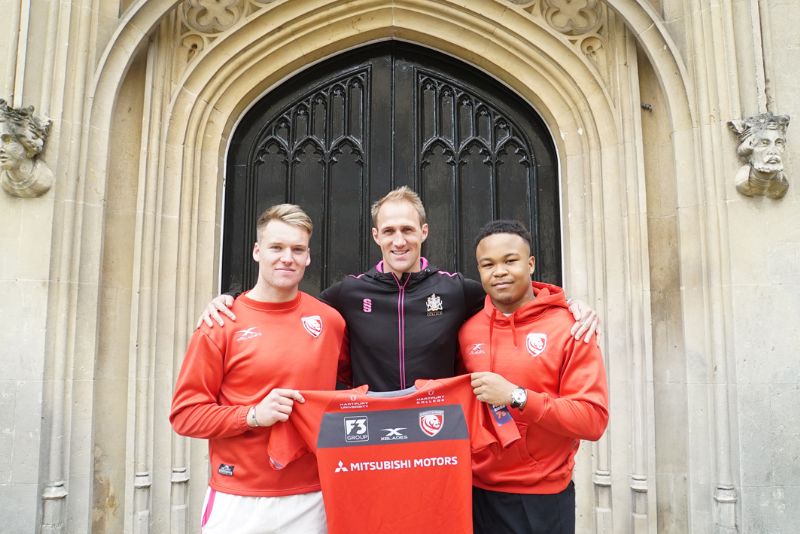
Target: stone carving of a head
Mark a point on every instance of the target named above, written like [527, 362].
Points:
[762, 141]
[22, 138]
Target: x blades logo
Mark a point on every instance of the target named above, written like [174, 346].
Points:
[394, 434]
[247, 333]
[477, 348]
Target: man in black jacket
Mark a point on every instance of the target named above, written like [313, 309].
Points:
[403, 315]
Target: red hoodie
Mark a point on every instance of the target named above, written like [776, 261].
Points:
[566, 384]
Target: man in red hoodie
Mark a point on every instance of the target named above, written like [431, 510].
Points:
[521, 354]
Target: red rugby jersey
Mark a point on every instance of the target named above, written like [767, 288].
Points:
[398, 461]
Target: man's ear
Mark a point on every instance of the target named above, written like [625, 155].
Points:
[256, 251]
[308, 258]
[375, 236]
[532, 264]
[424, 232]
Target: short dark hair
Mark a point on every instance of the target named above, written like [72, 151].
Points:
[504, 226]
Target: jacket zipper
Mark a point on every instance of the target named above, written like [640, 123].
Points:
[401, 329]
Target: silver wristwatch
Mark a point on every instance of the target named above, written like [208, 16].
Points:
[518, 398]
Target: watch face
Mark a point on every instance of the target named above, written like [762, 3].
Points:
[518, 397]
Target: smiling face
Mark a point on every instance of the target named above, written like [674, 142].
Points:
[505, 265]
[282, 254]
[400, 235]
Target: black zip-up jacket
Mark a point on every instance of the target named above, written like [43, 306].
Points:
[403, 329]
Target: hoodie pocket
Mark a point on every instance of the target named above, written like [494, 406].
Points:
[496, 466]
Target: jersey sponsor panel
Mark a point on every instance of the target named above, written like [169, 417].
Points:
[409, 425]
[400, 460]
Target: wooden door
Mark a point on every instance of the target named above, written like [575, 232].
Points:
[338, 136]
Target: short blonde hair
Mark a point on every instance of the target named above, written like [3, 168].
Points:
[290, 214]
[401, 194]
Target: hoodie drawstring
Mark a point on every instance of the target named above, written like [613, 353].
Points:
[513, 330]
[491, 331]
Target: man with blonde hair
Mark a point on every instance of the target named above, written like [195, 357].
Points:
[239, 380]
[403, 315]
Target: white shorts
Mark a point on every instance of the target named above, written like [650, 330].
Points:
[224, 513]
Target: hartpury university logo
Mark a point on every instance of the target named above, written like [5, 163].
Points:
[313, 325]
[431, 422]
[535, 343]
[356, 429]
[366, 305]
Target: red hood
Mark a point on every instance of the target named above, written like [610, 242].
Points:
[547, 296]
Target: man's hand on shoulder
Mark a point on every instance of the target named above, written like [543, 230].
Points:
[220, 304]
[587, 321]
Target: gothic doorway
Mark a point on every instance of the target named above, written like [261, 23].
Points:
[341, 134]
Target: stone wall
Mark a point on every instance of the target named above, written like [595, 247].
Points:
[105, 272]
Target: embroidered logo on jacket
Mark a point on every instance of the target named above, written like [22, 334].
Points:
[247, 333]
[476, 348]
[312, 324]
[366, 305]
[536, 343]
[434, 305]
[226, 469]
[431, 422]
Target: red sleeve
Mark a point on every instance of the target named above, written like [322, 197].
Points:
[490, 425]
[581, 409]
[285, 444]
[196, 411]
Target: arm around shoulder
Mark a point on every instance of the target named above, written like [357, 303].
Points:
[580, 410]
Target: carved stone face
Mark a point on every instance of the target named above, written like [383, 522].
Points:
[768, 147]
[12, 152]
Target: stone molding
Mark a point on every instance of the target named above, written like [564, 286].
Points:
[203, 21]
[762, 141]
[584, 23]
[22, 139]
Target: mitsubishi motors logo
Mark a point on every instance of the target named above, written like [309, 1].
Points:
[341, 468]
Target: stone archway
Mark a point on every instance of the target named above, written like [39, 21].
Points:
[189, 138]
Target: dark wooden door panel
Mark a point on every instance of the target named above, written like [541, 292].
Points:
[343, 133]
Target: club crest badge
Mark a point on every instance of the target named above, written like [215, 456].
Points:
[536, 343]
[434, 305]
[431, 421]
[312, 324]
